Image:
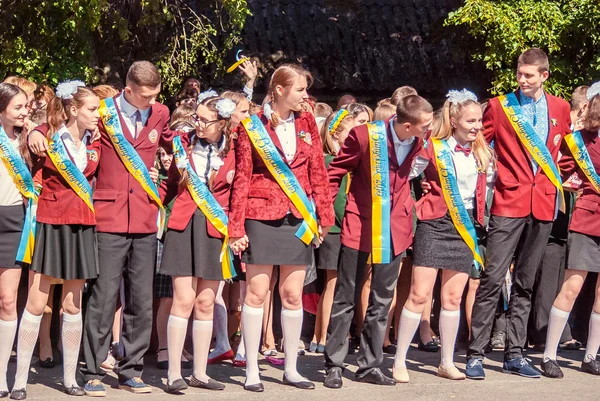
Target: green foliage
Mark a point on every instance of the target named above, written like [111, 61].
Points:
[567, 30]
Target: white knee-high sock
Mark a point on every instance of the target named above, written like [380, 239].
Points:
[251, 331]
[8, 330]
[556, 324]
[28, 335]
[71, 341]
[409, 323]
[291, 325]
[201, 335]
[449, 321]
[220, 324]
[593, 342]
[176, 331]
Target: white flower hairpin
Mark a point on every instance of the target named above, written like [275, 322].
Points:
[206, 94]
[66, 90]
[459, 97]
[268, 110]
[593, 90]
[225, 107]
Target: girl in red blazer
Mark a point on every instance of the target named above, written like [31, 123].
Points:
[65, 246]
[437, 243]
[263, 220]
[583, 244]
[192, 248]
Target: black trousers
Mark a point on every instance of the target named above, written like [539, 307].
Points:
[351, 270]
[504, 236]
[132, 257]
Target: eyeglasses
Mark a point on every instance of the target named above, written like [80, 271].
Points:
[202, 123]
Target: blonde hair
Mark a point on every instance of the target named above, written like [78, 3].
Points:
[236, 97]
[322, 110]
[23, 83]
[58, 108]
[105, 91]
[328, 137]
[356, 108]
[401, 92]
[442, 129]
[284, 76]
[183, 113]
[384, 111]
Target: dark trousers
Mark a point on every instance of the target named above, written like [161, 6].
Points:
[504, 235]
[132, 257]
[351, 270]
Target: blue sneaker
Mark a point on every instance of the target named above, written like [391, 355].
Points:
[520, 366]
[475, 370]
[136, 385]
[94, 388]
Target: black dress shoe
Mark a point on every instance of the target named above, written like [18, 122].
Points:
[19, 394]
[593, 367]
[4, 394]
[333, 378]
[255, 388]
[211, 384]
[303, 385]
[176, 387]
[551, 369]
[47, 363]
[375, 376]
[431, 346]
[390, 349]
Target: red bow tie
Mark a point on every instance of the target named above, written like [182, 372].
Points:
[459, 148]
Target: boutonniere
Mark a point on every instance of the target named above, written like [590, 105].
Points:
[554, 122]
[93, 155]
[305, 137]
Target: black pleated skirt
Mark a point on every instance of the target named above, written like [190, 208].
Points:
[329, 251]
[12, 219]
[192, 252]
[66, 251]
[274, 242]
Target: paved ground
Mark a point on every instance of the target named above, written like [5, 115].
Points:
[425, 385]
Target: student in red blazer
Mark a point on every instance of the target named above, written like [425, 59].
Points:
[263, 221]
[404, 132]
[521, 215]
[65, 246]
[438, 245]
[584, 231]
[192, 247]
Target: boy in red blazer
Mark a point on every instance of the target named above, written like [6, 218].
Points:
[525, 204]
[404, 140]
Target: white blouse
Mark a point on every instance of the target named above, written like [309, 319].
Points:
[9, 193]
[286, 132]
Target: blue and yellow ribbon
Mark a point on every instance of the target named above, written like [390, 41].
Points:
[207, 203]
[128, 155]
[582, 157]
[284, 177]
[336, 121]
[21, 176]
[458, 213]
[69, 171]
[534, 145]
[381, 248]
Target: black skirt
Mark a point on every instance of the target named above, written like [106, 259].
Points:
[328, 252]
[192, 252]
[275, 243]
[12, 219]
[66, 251]
[438, 244]
[584, 252]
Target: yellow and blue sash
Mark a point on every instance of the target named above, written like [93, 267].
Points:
[582, 157]
[130, 158]
[21, 176]
[381, 249]
[282, 173]
[68, 170]
[534, 145]
[207, 203]
[460, 218]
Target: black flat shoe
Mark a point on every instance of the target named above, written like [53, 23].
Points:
[375, 376]
[431, 346]
[551, 369]
[47, 363]
[255, 388]
[176, 387]
[20, 394]
[4, 394]
[390, 349]
[333, 378]
[593, 367]
[303, 385]
[211, 384]
[75, 390]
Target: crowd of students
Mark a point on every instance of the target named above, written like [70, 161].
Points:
[108, 194]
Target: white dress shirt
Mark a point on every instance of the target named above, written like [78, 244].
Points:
[128, 110]
[206, 158]
[286, 132]
[79, 155]
[9, 193]
[401, 147]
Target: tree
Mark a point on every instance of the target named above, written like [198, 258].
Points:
[567, 30]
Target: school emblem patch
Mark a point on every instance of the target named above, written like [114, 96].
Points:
[230, 175]
[153, 136]
[305, 137]
[556, 139]
[93, 155]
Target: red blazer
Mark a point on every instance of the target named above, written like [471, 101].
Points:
[518, 192]
[432, 205]
[354, 158]
[58, 203]
[184, 205]
[255, 193]
[587, 208]
[122, 205]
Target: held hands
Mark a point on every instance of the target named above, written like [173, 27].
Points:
[38, 144]
[238, 244]
[153, 174]
[322, 233]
